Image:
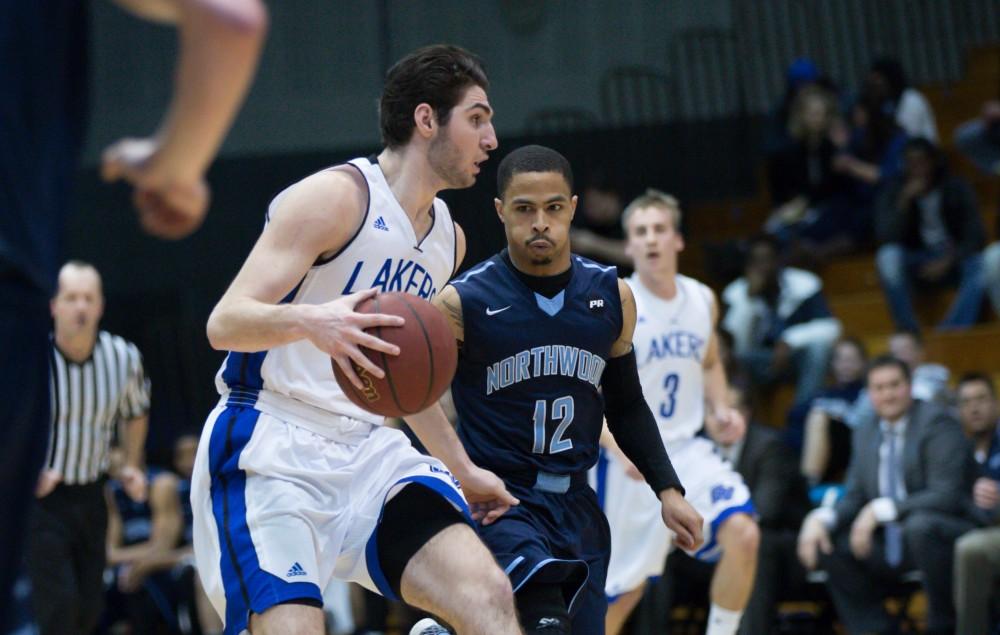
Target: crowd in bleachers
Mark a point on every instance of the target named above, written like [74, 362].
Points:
[887, 472]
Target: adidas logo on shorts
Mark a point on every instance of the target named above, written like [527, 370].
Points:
[380, 224]
[295, 571]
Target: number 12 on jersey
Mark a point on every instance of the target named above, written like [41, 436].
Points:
[562, 410]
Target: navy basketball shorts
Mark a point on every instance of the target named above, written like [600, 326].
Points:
[558, 538]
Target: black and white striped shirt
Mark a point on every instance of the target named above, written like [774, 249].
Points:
[88, 400]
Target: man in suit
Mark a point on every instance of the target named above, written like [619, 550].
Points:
[905, 504]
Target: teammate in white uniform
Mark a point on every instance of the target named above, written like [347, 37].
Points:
[681, 374]
[293, 484]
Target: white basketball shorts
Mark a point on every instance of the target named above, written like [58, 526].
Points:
[287, 497]
[639, 539]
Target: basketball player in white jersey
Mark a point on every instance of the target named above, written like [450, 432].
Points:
[293, 484]
[683, 381]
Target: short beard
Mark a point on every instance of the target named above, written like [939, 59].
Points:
[443, 158]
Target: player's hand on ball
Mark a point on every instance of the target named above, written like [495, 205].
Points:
[487, 495]
[682, 519]
[336, 329]
[171, 204]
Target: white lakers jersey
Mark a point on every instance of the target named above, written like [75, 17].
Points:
[671, 338]
[384, 253]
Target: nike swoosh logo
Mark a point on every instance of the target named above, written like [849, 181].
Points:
[490, 311]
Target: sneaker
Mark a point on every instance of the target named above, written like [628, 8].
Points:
[428, 626]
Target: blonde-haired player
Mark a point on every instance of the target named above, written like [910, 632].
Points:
[683, 381]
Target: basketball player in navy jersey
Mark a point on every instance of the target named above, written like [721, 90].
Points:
[546, 352]
[293, 484]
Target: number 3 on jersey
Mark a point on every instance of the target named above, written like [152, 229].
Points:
[562, 409]
[670, 385]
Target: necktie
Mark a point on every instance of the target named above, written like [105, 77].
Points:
[893, 530]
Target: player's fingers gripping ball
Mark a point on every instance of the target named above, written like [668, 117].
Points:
[417, 377]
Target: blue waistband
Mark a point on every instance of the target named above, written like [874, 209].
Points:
[549, 482]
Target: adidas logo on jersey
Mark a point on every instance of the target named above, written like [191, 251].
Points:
[380, 224]
[296, 570]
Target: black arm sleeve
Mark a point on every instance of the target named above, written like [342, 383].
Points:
[632, 424]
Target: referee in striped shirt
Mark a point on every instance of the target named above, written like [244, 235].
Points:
[97, 381]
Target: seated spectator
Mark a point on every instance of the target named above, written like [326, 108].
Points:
[928, 224]
[780, 322]
[779, 495]
[136, 531]
[979, 139]
[904, 506]
[928, 381]
[826, 448]
[596, 231]
[170, 568]
[830, 417]
[887, 80]
[812, 206]
[991, 276]
[977, 553]
[801, 74]
[873, 157]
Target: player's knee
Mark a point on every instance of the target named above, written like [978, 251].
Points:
[486, 597]
[743, 535]
[488, 587]
[494, 585]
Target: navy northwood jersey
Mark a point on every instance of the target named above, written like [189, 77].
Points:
[529, 372]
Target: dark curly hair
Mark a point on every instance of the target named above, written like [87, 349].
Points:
[436, 75]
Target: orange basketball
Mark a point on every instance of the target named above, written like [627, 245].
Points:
[419, 375]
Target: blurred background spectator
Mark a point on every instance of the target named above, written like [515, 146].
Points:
[597, 231]
[931, 234]
[977, 553]
[781, 324]
[928, 381]
[886, 83]
[812, 208]
[824, 435]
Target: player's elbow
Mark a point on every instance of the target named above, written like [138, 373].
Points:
[218, 335]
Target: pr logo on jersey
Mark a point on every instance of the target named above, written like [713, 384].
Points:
[380, 224]
[296, 570]
[721, 493]
[597, 303]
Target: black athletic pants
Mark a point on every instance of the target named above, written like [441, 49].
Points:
[66, 556]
